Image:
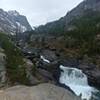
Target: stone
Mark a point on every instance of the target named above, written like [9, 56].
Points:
[40, 92]
[2, 69]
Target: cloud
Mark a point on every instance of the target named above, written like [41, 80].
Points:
[40, 11]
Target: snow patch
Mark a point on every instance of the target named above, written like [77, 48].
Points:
[21, 27]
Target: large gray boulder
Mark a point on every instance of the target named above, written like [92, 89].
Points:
[40, 92]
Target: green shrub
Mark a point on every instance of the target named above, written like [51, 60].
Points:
[14, 61]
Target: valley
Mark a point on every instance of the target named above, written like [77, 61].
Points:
[63, 55]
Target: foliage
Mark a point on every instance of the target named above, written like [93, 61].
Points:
[15, 64]
[53, 28]
[86, 32]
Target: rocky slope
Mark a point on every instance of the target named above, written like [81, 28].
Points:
[12, 22]
[40, 92]
[74, 39]
[62, 25]
[19, 69]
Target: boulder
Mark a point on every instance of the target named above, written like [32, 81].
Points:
[29, 71]
[49, 55]
[93, 77]
[37, 75]
[47, 75]
[40, 92]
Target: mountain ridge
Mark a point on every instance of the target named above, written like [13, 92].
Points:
[12, 22]
[62, 23]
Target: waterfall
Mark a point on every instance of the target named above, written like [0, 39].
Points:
[77, 81]
[45, 60]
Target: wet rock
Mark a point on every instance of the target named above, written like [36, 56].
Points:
[50, 55]
[46, 74]
[93, 77]
[37, 75]
[69, 62]
[30, 53]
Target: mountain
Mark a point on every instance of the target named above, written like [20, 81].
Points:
[75, 38]
[62, 25]
[12, 22]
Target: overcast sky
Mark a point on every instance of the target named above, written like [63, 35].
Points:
[40, 11]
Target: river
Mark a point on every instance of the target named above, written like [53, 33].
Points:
[78, 82]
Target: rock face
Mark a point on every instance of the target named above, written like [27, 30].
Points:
[37, 75]
[2, 68]
[12, 22]
[40, 92]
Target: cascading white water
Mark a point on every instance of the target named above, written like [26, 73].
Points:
[45, 60]
[77, 81]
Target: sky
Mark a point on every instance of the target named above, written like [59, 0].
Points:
[40, 11]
